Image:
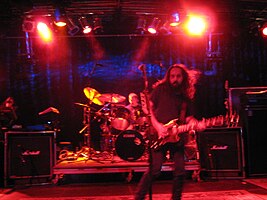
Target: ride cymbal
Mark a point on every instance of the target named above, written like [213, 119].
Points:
[111, 98]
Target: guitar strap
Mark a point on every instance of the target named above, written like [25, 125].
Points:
[183, 113]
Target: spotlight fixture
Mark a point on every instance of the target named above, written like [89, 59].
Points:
[196, 25]
[264, 30]
[152, 28]
[141, 25]
[175, 19]
[44, 31]
[85, 25]
[73, 28]
[60, 19]
[28, 26]
[165, 28]
[97, 25]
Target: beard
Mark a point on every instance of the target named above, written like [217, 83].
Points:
[175, 85]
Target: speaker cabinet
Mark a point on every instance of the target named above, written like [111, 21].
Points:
[255, 137]
[1, 163]
[221, 153]
[29, 155]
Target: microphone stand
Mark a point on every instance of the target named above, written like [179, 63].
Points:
[148, 129]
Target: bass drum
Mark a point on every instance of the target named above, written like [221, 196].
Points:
[130, 145]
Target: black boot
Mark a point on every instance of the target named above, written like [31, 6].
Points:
[177, 187]
[143, 186]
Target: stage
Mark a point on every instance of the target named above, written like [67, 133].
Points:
[114, 165]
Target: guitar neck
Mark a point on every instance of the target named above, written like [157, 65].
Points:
[184, 128]
[209, 122]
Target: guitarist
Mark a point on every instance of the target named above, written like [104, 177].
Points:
[170, 99]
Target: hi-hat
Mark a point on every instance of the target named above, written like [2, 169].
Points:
[92, 95]
[111, 98]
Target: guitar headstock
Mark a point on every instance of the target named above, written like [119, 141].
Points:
[144, 103]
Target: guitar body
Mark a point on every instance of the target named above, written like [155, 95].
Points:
[174, 130]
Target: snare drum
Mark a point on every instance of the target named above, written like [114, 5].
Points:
[130, 145]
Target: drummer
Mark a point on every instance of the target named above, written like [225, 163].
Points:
[136, 111]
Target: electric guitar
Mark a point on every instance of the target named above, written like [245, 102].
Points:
[173, 130]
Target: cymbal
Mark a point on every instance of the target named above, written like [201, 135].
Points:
[92, 95]
[111, 98]
[48, 110]
[81, 104]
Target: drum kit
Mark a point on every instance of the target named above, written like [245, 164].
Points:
[121, 135]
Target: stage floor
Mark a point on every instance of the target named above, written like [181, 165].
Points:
[118, 190]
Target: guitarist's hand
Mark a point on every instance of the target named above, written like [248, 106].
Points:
[194, 124]
[161, 130]
[191, 122]
[201, 125]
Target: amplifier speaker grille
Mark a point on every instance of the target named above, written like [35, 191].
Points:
[29, 154]
[221, 152]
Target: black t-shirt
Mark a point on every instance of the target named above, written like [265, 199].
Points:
[167, 103]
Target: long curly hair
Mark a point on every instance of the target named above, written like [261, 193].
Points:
[190, 77]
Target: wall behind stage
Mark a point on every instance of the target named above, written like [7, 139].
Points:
[55, 74]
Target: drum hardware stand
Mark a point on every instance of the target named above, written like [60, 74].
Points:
[87, 118]
[107, 130]
[113, 148]
[87, 144]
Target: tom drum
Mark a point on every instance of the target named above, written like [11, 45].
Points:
[120, 119]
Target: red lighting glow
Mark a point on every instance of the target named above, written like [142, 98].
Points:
[264, 31]
[60, 23]
[196, 25]
[87, 29]
[175, 20]
[152, 30]
[44, 31]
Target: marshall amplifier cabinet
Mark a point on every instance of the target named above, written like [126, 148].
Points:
[1, 163]
[236, 95]
[254, 118]
[29, 155]
[221, 153]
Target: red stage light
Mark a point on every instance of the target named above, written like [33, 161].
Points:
[44, 31]
[60, 23]
[28, 26]
[60, 19]
[175, 19]
[196, 25]
[152, 28]
[264, 31]
[87, 30]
